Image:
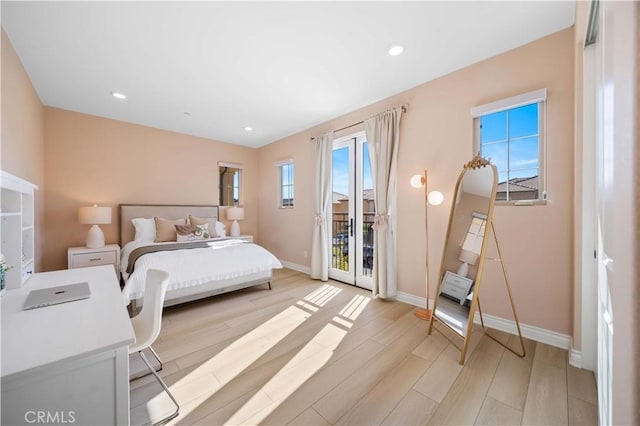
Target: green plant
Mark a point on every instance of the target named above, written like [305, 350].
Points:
[4, 267]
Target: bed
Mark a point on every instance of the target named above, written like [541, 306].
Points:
[197, 269]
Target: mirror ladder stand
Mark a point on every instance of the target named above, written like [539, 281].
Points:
[513, 306]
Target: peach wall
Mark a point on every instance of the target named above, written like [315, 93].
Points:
[22, 143]
[437, 135]
[97, 160]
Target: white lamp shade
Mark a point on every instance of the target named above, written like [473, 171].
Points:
[468, 256]
[417, 181]
[94, 215]
[435, 198]
[235, 213]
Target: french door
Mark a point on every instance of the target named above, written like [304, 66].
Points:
[352, 213]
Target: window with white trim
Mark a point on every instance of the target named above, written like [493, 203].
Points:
[286, 172]
[475, 233]
[511, 133]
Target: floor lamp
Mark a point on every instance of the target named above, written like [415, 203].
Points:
[434, 198]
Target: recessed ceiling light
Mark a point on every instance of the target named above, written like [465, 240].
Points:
[248, 129]
[396, 50]
[118, 95]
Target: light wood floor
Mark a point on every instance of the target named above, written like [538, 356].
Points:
[312, 353]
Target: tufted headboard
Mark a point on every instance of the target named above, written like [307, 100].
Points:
[166, 211]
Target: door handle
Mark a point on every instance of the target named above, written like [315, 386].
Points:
[351, 227]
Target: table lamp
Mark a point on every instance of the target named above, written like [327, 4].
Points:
[94, 216]
[235, 214]
[467, 257]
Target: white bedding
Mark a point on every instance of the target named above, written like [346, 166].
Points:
[222, 260]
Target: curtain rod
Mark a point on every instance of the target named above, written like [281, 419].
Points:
[404, 109]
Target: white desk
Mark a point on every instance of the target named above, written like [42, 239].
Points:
[69, 360]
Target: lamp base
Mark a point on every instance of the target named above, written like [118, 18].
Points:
[95, 237]
[423, 314]
[235, 229]
[463, 270]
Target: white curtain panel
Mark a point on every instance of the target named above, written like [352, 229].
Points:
[321, 247]
[383, 135]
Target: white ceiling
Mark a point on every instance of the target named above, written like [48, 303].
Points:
[279, 67]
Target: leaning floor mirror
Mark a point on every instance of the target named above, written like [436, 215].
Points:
[463, 257]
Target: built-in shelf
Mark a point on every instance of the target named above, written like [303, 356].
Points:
[17, 226]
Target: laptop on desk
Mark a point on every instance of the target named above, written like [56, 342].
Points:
[56, 295]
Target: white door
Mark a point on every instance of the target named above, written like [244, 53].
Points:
[352, 212]
[604, 219]
[615, 212]
[588, 226]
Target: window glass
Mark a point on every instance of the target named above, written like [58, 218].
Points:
[495, 127]
[475, 235]
[512, 140]
[286, 185]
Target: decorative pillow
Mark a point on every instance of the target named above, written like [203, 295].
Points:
[166, 229]
[192, 232]
[214, 225]
[145, 229]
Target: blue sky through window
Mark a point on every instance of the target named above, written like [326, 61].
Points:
[510, 139]
[341, 169]
[287, 174]
[236, 187]
[287, 185]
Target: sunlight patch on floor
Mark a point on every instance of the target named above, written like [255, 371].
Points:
[238, 356]
[323, 295]
[355, 307]
[320, 297]
[307, 362]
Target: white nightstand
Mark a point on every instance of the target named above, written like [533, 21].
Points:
[455, 286]
[81, 257]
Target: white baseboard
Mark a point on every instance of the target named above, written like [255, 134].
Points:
[410, 299]
[532, 332]
[413, 300]
[296, 267]
[508, 326]
[575, 356]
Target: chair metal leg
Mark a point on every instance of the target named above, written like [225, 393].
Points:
[166, 389]
[153, 352]
[157, 358]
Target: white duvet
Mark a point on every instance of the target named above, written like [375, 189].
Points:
[221, 260]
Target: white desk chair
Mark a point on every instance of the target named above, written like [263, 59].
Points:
[146, 326]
